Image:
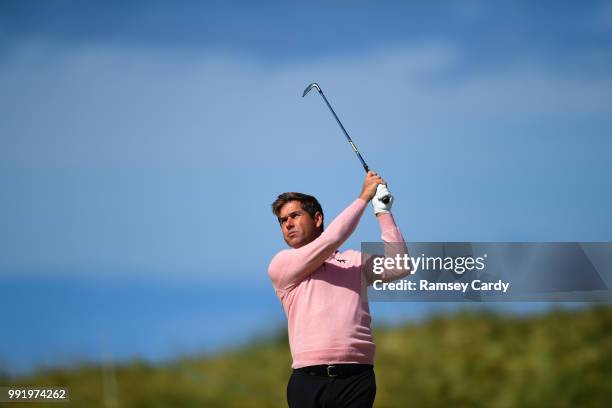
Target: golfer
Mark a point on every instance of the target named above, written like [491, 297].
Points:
[323, 292]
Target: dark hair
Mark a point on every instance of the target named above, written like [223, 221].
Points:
[309, 203]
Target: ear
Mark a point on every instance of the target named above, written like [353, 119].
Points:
[318, 218]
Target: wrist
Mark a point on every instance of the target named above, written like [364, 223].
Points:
[385, 221]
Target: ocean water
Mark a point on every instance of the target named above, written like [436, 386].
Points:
[59, 321]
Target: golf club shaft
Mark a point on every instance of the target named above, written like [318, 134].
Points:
[365, 166]
[316, 86]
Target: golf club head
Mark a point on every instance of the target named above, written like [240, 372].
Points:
[309, 87]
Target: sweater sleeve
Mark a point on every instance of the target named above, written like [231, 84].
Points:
[290, 266]
[394, 245]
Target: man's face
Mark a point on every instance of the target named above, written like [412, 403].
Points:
[298, 227]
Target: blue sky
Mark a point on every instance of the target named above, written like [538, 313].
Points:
[143, 142]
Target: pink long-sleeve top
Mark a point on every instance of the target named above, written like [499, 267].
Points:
[323, 293]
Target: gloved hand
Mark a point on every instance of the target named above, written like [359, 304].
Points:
[379, 206]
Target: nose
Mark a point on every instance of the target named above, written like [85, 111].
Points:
[289, 224]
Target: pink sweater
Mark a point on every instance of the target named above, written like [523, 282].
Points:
[323, 292]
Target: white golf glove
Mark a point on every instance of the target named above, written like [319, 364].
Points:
[379, 206]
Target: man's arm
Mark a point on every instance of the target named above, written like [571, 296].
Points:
[289, 267]
[394, 245]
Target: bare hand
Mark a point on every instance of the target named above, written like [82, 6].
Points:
[372, 180]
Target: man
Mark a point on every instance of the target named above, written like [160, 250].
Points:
[323, 293]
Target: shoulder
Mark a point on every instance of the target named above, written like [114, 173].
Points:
[278, 263]
[278, 258]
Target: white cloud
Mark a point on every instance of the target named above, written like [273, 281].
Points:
[235, 119]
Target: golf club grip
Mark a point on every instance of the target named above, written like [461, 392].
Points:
[385, 199]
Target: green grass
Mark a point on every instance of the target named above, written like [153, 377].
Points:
[560, 359]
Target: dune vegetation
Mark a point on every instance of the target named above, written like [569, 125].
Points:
[477, 359]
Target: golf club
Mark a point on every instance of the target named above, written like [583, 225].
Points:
[385, 199]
